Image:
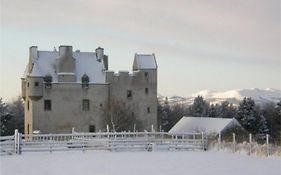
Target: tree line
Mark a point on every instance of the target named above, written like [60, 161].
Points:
[253, 118]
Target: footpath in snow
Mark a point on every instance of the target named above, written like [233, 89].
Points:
[138, 163]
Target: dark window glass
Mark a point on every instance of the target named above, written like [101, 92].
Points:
[47, 105]
[27, 128]
[36, 84]
[129, 94]
[148, 109]
[146, 90]
[86, 105]
[92, 128]
[27, 104]
[146, 75]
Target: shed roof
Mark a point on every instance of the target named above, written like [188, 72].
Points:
[205, 124]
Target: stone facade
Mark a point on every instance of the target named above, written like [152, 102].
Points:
[65, 89]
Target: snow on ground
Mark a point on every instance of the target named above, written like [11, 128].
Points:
[138, 163]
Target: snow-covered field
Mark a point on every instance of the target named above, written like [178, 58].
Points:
[138, 163]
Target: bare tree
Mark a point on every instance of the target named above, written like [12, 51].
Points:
[120, 117]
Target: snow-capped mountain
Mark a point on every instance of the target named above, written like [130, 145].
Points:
[261, 96]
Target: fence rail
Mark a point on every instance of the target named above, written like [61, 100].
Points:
[111, 141]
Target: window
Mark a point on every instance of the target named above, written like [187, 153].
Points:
[27, 128]
[36, 84]
[27, 84]
[86, 105]
[47, 105]
[146, 90]
[48, 81]
[148, 109]
[146, 75]
[92, 128]
[85, 81]
[100, 104]
[27, 104]
[129, 94]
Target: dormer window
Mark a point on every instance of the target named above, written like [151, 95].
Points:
[48, 81]
[85, 81]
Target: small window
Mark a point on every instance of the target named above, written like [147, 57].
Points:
[146, 75]
[86, 105]
[129, 94]
[92, 128]
[27, 84]
[85, 81]
[146, 90]
[100, 104]
[47, 105]
[148, 109]
[27, 129]
[36, 84]
[27, 104]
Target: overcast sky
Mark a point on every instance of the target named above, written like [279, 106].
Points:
[199, 44]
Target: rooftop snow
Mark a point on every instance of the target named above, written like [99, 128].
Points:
[205, 124]
[86, 63]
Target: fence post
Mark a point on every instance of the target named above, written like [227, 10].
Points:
[219, 141]
[193, 136]
[267, 145]
[19, 142]
[107, 130]
[16, 141]
[250, 141]
[234, 142]
[203, 144]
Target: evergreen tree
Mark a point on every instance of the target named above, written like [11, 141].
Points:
[213, 111]
[5, 118]
[262, 128]
[247, 115]
[227, 110]
[16, 110]
[199, 108]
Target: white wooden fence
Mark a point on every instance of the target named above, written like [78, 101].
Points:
[121, 141]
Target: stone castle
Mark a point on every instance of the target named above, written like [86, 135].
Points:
[65, 89]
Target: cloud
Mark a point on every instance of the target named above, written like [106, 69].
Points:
[241, 28]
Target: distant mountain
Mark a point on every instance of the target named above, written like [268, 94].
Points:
[261, 96]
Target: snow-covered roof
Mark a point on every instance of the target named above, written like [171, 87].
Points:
[86, 63]
[205, 124]
[144, 61]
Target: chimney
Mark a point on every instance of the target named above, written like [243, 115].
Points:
[99, 53]
[65, 51]
[33, 55]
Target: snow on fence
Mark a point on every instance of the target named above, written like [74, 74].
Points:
[111, 141]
